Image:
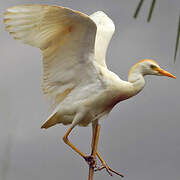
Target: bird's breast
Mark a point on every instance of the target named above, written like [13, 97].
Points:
[104, 102]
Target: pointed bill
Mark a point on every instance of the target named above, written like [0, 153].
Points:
[165, 73]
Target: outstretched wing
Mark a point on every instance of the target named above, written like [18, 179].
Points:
[66, 38]
[105, 31]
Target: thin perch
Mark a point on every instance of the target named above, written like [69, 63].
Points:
[94, 149]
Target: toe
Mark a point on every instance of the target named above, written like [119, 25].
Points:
[91, 161]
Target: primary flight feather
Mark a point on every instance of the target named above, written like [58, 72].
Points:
[75, 75]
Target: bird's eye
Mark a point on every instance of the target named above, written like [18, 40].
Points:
[153, 66]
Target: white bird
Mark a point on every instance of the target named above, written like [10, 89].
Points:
[75, 74]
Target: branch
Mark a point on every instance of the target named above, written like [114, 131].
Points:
[94, 150]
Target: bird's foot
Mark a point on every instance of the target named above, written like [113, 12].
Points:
[109, 170]
[91, 160]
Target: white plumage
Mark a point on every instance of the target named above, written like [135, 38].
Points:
[74, 48]
[75, 75]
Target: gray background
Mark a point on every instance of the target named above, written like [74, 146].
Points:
[140, 137]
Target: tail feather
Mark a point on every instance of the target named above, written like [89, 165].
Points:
[52, 120]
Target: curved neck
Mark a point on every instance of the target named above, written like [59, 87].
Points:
[137, 80]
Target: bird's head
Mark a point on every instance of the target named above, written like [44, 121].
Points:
[149, 67]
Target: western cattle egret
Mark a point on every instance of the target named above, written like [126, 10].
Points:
[75, 74]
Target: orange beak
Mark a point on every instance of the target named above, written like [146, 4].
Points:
[165, 73]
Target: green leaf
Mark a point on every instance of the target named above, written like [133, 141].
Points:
[177, 40]
[151, 10]
[138, 8]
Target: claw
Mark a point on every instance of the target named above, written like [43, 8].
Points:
[109, 170]
[91, 161]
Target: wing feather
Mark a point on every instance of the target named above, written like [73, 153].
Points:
[66, 38]
[105, 31]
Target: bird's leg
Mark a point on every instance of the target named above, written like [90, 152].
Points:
[104, 165]
[95, 139]
[91, 160]
[65, 139]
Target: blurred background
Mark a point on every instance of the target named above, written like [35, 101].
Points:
[140, 137]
